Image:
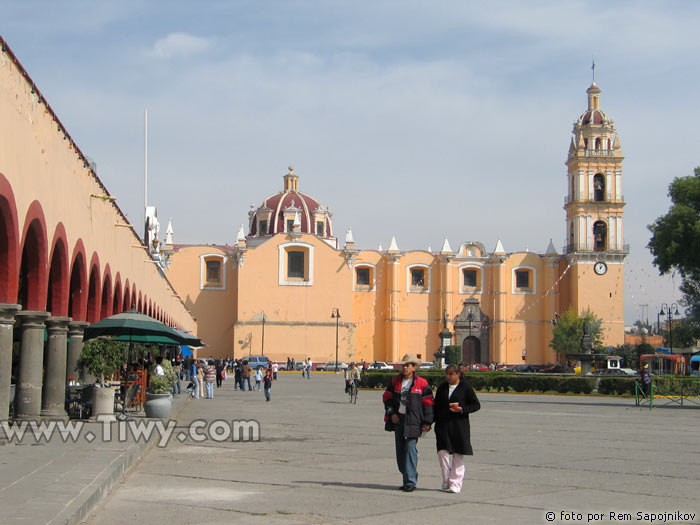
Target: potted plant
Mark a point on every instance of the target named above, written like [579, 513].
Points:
[159, 400]
[102, 357]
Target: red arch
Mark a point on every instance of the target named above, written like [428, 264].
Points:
[127, 297]
[9, 243]
[31, 292]
[77, 298]
[94, 290]
[58, 287]
[139, 306]
[134, 299]
[117, 303]
[106, 295]
[150, 308]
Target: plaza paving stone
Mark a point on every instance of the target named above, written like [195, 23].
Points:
[321, 460]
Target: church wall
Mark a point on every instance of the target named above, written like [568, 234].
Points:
[524, 310]
[213, 309]
[604, 296]
[419, 311]
[298, 318]
[368, 306]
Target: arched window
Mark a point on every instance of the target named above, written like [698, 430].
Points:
[364, 277]
[599, 188]
[600, 236]
[213, 271]
[598, 143]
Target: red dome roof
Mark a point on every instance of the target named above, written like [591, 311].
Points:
[290, 199]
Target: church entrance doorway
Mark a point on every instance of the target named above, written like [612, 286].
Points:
[471, 350]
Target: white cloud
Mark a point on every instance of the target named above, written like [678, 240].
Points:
[178, 45]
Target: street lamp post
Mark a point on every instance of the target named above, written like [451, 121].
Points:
[669, 312]
[263, 333]
[335, 314]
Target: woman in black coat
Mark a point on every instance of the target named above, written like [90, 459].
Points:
[454, 401]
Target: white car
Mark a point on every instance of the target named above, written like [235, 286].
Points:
[330, 366]
[426, 365]
[380, 365]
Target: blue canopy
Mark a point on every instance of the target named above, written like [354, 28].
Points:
[186, 350]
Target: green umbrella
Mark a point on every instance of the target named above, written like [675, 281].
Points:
[147, 339]
[132, 324]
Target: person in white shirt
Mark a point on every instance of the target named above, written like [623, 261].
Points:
[158, 370]
[258, 376]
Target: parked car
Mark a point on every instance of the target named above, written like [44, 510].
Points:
[380, 365]
[558, 368]
[257, 361]
[426, 365]
[625, 372]
[480, 367]
[330, 366]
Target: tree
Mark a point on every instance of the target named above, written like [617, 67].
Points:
[685, 334]
[675, 240]
[568, 332]
[102, 357]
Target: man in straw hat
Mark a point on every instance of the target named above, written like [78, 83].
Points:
[408, 403]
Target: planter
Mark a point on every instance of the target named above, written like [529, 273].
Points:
[102, 401]
[158, 405]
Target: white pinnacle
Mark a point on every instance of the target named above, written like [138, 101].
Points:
[499, 247]
[169, 232]
[551, 250]
[446, 248]
[241, 235]
[393, 247]
[348, 237]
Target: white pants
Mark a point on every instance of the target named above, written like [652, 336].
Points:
[452, 466]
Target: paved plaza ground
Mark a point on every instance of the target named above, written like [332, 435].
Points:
[321, 460]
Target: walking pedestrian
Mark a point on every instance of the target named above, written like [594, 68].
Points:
[200, 378]
[267, 383]
[408, 404]
[258, 376]
[210, 377]
[219, 372]
[308, 367]
[275, 368]
[194, 380]
[237, 377]
[454, 401]
[245, 375]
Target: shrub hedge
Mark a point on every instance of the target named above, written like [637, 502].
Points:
[495, 381]
[671, 385]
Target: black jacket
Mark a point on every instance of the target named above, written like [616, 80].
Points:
[452, 431]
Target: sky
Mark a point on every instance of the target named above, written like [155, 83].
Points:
[419, 120]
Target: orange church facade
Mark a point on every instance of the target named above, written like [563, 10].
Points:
[279, 284]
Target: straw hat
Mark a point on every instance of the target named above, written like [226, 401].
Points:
[411, 358]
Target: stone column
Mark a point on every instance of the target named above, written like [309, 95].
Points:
[54, 393]
[75, 348]
[7, 321]
[31, 364]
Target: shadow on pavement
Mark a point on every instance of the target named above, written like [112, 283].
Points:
[375, 486]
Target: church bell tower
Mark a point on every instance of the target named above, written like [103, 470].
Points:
[594, 206]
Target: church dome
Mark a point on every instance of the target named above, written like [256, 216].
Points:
[290, 211]
[594, 115]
